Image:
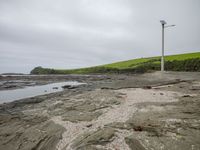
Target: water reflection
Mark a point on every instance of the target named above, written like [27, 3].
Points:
[11, 95]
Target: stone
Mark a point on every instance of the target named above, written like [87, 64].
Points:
[75, 116]
[133, 143]
[29, 133]
[55, 88]
[147, 87]
[195, 87]
[69, 87]
[99, 137]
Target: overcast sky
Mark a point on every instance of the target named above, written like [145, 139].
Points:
[80, 33]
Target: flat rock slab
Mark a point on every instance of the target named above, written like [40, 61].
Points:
[89, 140]
[133, 143]
[195, 87]
[75, 116]
[43, 136]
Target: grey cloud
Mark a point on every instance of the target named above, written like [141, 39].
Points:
[82, 33]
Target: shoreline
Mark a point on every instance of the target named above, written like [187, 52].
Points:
[146, 111]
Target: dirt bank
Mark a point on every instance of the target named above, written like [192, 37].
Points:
[117, 112]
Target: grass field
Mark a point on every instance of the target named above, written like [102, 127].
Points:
[180, 62]
[136, 62]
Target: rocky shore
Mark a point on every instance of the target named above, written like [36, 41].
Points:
[152, 111]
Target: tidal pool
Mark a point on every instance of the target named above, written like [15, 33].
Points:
[11, 95]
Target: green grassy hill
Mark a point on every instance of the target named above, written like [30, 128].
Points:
[135, 62]
[181, 62]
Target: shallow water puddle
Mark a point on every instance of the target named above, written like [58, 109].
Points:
[11, 95]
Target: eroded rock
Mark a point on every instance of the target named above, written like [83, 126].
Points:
[99, 137]
[22, 134]
[133, 143]
[75, 116]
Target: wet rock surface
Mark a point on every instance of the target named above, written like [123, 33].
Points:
[148, 111]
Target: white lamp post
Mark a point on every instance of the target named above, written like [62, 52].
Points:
[163, 23]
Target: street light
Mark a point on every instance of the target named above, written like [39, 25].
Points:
[163, 23]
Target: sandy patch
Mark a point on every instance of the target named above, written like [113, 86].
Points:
[117, 113]
[72, 131]
[142, 95]
[119, 143]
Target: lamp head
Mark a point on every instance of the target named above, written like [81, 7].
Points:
[163, 22]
